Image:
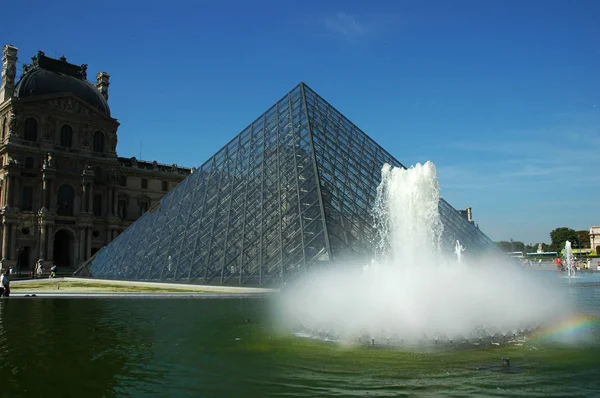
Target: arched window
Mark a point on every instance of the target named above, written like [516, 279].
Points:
[98, 145]
[65, 200]
[66, 136]
[31, 127]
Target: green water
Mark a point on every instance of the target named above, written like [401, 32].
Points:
[206, 348]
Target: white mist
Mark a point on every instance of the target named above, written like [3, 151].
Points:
[411, 291]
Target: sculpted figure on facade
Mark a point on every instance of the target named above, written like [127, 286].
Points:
[48, 162]
[50, 128]
[68, 105]
[13, 123]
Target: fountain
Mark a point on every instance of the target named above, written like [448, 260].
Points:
[413, 291]
[458, 249]
[569, 264]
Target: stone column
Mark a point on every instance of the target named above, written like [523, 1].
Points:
[81, 243]
[90, 198]
[115, 202]
[10, 192]
[52, 198]
[50, 245]
[44, 191]
[13, 242]
[5, 240]
[42, 241]
[110, 200]
[88, 249]
[83, 197]
[15, 192]
[4, 191]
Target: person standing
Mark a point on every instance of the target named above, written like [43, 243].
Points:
[5, 283]
[39, 269]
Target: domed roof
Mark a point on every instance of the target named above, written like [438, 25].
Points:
[50, 76]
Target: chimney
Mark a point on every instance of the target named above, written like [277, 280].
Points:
[102, 84]
[469, 215]
[9, 72]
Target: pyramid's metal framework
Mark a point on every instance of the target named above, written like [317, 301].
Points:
[294, 189]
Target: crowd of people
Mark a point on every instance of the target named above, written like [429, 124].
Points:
[580, 265]
[5, 275]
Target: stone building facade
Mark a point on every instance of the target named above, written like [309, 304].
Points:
[64, 192]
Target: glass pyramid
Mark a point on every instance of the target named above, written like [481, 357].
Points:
[293, 190]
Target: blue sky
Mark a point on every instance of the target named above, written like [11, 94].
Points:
[503, 96]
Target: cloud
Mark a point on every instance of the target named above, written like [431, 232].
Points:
[350, 27]
[345, 26]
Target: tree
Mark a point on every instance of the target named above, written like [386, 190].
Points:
[584, 239]
[559, 236]
[504, 246]
[512, 246]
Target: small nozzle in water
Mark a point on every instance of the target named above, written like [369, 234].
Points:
[505, 362]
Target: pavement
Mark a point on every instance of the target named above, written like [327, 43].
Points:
[136, 295]
[177, 290]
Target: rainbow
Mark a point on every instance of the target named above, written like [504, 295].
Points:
[572, 328]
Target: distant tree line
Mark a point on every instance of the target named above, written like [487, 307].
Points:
[558, 237]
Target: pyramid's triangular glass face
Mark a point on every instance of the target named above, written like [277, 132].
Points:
[293, 190]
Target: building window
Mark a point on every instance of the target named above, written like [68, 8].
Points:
[65, 200]
[29, 162]
[27, 198]
[66, 136]
[97, 204]
[143, 206]
[3, 129]
[123, 181]
[165, 186]
[98, 173]
[98, 144]
[122, 209]
[31, 127]
[144, 183]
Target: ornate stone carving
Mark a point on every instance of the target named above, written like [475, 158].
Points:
[83, 72]
[68, 105]
[13, 161]
[84, 139]
[13, 123]
[113, 143]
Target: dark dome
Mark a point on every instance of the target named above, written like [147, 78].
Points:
[39, 80]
